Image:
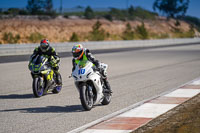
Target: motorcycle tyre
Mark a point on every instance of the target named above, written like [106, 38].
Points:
[83, 92]
[107, 99]
[35, 88]
[57, 90]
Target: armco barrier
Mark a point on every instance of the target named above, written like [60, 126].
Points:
[25, 49]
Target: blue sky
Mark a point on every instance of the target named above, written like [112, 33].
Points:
[193, 10]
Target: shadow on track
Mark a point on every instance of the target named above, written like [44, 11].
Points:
[48, 109]
[21, 96]
[17, 96]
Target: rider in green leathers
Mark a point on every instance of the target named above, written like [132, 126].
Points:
[46, 50]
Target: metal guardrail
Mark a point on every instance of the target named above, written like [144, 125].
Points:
[26, 49]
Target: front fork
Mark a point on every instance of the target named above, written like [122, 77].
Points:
[79, 86]
[90, 92]
[42, 79]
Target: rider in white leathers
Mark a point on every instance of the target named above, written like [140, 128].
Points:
[79, 53]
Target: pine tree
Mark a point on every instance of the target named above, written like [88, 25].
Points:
[74, 38]
[97, 34]
[89, 14]
[128, 34]
[171, 8]
[142, 31]
[35, 6]
[49, 5]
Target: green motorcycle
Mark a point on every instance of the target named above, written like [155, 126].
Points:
[44, 78]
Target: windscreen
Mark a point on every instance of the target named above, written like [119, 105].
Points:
[38, 59]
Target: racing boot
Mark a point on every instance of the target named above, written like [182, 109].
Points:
[58, 78]
[107, 84]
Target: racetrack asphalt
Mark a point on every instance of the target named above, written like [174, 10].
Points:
[134, 75]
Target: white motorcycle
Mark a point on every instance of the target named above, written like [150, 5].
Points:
[90, 85]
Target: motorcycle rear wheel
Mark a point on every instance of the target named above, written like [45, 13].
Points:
[58, 88]
[38, 90]
[107, 99]
[86, 99]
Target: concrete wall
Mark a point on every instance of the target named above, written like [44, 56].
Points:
[24, 49]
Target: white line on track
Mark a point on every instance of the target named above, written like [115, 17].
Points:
[183, 93]
[106, 131]
[149, 110]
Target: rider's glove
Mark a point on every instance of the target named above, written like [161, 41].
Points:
[53, 61]
[98, 66]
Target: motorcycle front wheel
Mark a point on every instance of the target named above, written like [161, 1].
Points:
[38, 87]
[86, 98]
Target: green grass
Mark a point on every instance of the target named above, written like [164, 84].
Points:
[35, 37]
[10, 38]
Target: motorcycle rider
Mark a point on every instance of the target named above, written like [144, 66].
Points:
[46, 50]
[82, 54]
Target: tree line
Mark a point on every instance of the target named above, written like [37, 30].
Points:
[170, 8]
[34, 7]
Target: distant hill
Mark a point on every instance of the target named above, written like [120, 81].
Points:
[17, 26]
